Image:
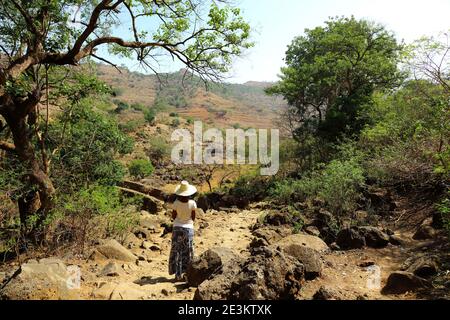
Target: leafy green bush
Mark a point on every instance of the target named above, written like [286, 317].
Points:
[338, 184]
[173, 114]
[130, 126]
[89, 214]
[405, 138]
[175, 122]
[158, 150]
[138, 107]
[190, 120]
[140, 168]
[116, 92]
[444, 209]
[252, 186]
[86, 144]
[121, 106]
[150, 116]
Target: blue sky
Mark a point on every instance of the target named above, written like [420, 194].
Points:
[276, 23]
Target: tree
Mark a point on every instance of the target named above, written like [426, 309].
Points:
[332, 72]
[39, 35]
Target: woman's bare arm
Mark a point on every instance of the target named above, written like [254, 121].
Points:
[193, 215]
[174, 214]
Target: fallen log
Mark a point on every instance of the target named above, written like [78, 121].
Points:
[144, 189]
[150, 203]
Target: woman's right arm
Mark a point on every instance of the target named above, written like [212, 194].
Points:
[174, 214]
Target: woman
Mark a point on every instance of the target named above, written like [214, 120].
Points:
[182, 251]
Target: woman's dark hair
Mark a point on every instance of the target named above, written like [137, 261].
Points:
[185, 199]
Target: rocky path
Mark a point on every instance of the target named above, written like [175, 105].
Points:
[352, 274]
[150, 279]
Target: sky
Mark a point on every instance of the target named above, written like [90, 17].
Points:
[276, 23]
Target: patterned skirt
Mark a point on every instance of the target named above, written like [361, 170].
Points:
[182, 251]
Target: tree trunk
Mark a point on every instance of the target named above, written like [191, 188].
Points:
[39, 200]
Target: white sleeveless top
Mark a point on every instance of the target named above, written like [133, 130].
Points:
[184, 213]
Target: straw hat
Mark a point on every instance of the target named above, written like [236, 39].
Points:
[185, 189]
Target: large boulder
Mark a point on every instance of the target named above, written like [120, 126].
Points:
[423, 266]
[267, 275]
[374, 237]
[276, 218]
[359, 237]
[310, 258]
[425, 232]
[304, 240]
[269, 235]
[218, 287]
[351, 238]
[380, 199]
[48, 279]
[208, 264]
[400, 282]
[112, 249]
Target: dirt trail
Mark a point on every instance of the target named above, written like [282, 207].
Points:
[344, 272]
[229, 230]
[342, 269]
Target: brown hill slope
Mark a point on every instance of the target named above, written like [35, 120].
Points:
[224, 105]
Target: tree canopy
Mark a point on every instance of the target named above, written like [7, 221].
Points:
[39, 36]
[332, 72]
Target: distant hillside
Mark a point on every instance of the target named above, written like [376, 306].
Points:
[243, 105]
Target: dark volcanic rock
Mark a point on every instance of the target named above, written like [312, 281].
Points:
[267, 275]
[374, 237]
[209, 263]
[309, 257]
[325, 293]
[276, 218]
[424, 266]
[359, 237]
[268, 235]
[400, 282]
[425, 232]
[348, 239]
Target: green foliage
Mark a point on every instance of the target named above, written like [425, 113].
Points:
[130, 126]
[444, 209]
[140, 168]
[117, 92]
[190, 120]
[160, 104]
[407, 138]
[175, 122]
[90, 213]
[158, 149]
[252, 186]
[87, 143]
[95, 200]
[332, 73]
[173, 114]
[138, 107]
[150, 116]
[121, 106]
[337, 183]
